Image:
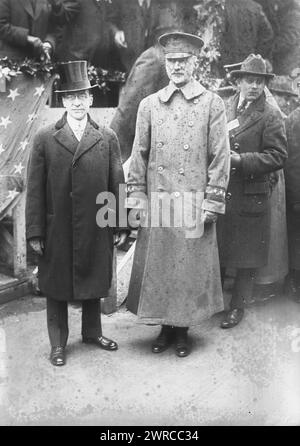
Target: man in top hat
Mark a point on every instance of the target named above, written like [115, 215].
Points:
[258, 148]
[72, 161]
[180, 162]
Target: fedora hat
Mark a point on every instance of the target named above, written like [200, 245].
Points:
[178, 44]
[74, 76]
[253, 64]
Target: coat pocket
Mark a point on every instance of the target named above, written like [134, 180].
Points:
[254, 205]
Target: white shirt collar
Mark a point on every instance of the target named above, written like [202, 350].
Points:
[77, 126]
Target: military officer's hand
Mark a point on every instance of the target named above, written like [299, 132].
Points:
[37, 244]
[120, 238]
[235, 159]
[209, 217]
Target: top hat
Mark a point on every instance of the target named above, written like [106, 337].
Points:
[178, 44]
[253, 64]
[74, 76]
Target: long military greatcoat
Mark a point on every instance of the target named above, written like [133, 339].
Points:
[292, 179]
[181, 145]
[64, 178]
[259, 138]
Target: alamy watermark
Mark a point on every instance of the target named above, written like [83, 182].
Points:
[159, 209]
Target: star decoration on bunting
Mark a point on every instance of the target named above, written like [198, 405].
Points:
[5, 121]
[39, 91]
[18, 168]
[13, 94]
[1, 149]
[31, 117]
[23, 145]
[12, 194]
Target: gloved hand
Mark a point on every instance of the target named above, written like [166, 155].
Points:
[46, 52]
[235, 160]
[120, 40]
[209, 217]
[37, 244]
[120, 238]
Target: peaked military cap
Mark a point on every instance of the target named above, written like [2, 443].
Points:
[178, 44]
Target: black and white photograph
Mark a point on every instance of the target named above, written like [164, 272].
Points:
[149, 216]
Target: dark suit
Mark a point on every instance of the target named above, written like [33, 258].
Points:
[243, 233]
[18, 19]
[64, 179]
[89, 35]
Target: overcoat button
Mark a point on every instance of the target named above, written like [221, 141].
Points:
[160, 169]
[186, 146]
[176, 194]
[228, 196]
[196, 101]
[191, 123]
[159, 122]
[181, 171]
[159, 145]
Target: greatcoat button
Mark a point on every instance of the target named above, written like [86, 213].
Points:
[176, 194]
[186, 146]
[181, 171]
[191, 123]
[159, 145]
[160, 169]
[196, 101]
[159, 122]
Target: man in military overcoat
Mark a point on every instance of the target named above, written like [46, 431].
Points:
[258, 148]
[181, 152]
[72, 162]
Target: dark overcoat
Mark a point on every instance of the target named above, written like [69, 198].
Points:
[260, 139]
[292, 180]
[64, 179]
[17, 21]
[88, 36]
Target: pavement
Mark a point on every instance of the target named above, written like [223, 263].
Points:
[249, 375]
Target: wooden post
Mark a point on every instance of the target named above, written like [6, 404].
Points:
[20, 260]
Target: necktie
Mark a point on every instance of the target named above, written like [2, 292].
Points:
[242, 107]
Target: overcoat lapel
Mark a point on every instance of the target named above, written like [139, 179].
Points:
[89, 138]
[39, 6]
[250, 117]
[66, 138]
[28, 7]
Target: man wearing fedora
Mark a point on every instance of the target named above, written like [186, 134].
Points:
[71, 162]
[181, 153]
[258, 148]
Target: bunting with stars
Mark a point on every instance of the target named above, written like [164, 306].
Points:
[21, 106]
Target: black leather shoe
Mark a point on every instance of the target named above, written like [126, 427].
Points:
[164, 340]
[182, 348]
[58, 356]
[102, 342]
[233, 317]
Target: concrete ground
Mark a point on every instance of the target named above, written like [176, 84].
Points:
[249, 375]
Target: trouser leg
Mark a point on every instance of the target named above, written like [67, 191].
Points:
[57, 322]
[222, 272]
[91, 318]
[243, 287]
